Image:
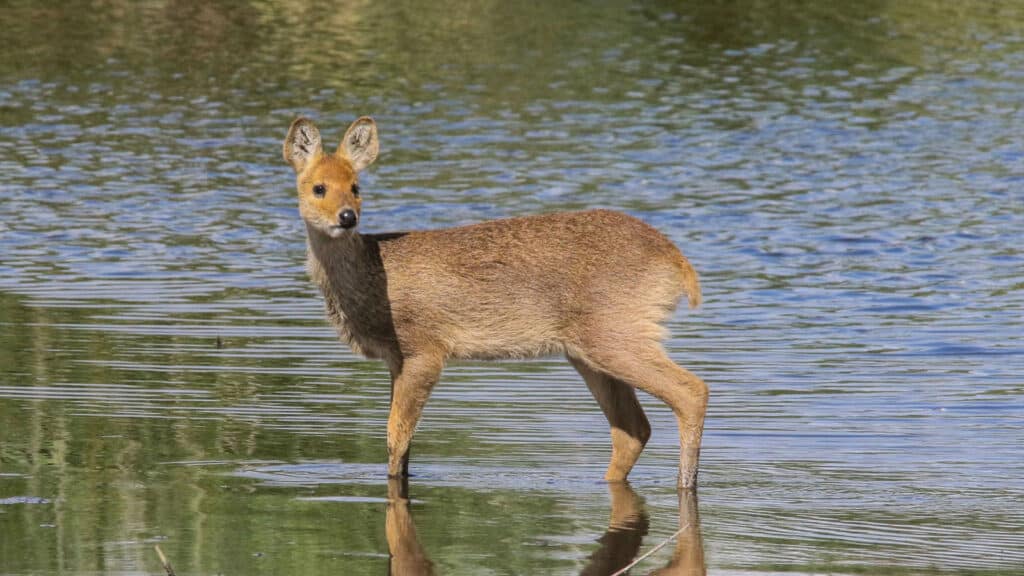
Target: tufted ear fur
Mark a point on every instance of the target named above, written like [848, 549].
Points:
[360, 144]
[302, 144]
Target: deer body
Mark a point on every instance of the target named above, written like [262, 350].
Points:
[594, 286]
[514, 288]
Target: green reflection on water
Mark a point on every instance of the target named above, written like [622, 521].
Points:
[94, 474]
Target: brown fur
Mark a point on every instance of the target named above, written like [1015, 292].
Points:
[595, 286]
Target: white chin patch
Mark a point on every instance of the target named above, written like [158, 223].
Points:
[336, 231]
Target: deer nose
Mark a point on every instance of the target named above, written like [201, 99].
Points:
[347, 218]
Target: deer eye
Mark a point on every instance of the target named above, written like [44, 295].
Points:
[355, 189]
[319, 190]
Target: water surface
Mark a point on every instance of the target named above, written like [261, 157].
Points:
[847, 179]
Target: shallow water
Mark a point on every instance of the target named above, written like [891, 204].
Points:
[848, 181]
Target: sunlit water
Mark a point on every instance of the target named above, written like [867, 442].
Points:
[849, 181]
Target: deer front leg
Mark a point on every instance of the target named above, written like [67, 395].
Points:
[411, 383]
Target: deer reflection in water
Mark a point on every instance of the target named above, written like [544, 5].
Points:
[407, 555]
[619, 545]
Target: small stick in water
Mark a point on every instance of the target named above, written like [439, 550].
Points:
[652, 551]
[163, 560]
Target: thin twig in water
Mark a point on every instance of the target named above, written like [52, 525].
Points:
[163, 560]
[651, 551]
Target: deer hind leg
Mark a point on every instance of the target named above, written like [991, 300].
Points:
[629, 426]
[411, 383]
[642, 363]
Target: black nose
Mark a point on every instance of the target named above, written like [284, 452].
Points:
[347, 218]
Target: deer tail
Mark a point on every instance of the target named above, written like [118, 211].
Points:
[691, 282]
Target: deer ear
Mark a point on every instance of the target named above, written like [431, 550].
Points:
[302, 143]
[360, 144]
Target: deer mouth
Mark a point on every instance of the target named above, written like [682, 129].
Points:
[335, 231]
[339, 231]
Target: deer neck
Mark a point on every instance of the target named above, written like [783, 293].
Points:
[343, 251]
[340, 266]
[349, 272]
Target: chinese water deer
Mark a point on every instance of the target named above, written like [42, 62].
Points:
[594, 286]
